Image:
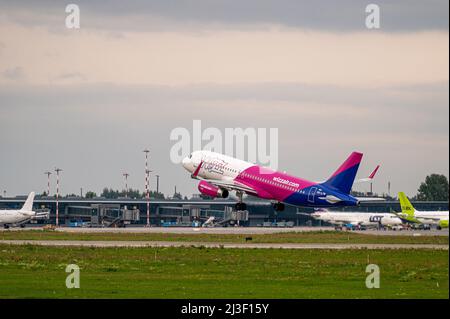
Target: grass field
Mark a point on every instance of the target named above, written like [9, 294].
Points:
[291, 237]
[39, 272]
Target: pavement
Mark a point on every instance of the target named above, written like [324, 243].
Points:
[237, 230]
[130, 244]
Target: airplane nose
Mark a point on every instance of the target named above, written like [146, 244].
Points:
[185, 162]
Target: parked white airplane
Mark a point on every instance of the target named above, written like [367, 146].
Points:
[357, 218]
[18, 217]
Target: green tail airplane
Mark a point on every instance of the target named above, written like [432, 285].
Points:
[411, 215]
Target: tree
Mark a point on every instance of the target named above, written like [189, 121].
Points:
[177, 196]
[132, 193]
[435, 187]
[110, 193]
[156, 195]
[91, 194]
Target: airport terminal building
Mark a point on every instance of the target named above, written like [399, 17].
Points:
[100, 212]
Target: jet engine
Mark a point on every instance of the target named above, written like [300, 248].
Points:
[213, 191]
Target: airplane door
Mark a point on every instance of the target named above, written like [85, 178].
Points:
[312, 194]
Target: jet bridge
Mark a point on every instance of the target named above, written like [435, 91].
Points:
[102, 215]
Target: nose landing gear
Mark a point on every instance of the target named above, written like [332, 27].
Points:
[240, 205]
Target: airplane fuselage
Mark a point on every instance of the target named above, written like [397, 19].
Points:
[358, 218]
[11, 217]
[431, 217]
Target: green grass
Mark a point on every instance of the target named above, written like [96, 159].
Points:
[39, 272]
[291, 237]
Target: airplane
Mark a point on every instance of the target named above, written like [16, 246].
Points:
[219, 174]
[209, 222]
[412, 215]
[357, 219]
[18, 217]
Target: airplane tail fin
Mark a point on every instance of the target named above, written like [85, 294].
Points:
[344, 176]
[28, 206]
[405, 204]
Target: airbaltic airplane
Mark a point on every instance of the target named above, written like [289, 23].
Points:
[357, 218]
[219, 174]
[412, 215]
[18, 217]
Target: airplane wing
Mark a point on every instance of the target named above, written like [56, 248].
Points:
[343, 222]
[370, 199]
[370, 177]
[346, 222]
[425, 219]
[407, 219]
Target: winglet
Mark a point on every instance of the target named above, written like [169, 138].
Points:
[197, 170]
[371, 176]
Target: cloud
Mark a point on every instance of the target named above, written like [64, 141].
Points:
[14, 74]
[171, 58]
[325, 15]
[70, 76]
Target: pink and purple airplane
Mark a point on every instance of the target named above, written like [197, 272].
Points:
[219, 174]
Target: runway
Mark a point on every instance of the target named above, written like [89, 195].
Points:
[134, 244]
[237, 230]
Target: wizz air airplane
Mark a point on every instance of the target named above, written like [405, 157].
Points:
[219, 174]
[18, 217]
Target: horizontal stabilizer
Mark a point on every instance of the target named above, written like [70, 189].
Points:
[371, 199]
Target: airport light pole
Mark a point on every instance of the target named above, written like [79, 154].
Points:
[147, 195]
[57, 170]
[126, 184]
[48, 182]
[157, 184]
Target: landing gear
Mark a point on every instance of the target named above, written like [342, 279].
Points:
[279, 207]
[22, 225]
[6, 226]
[240, 205]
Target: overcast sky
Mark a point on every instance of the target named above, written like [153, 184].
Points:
[89, 100]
